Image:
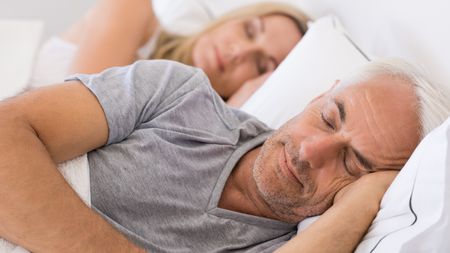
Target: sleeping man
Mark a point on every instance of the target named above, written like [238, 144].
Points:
[172, 169]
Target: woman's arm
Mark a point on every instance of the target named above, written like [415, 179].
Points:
[38, 209]
[111, 33]
[341, 228]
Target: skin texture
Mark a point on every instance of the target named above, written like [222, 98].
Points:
[301, 167]
[356, 204]
[244, 49]
[110, 34]
[246, 90]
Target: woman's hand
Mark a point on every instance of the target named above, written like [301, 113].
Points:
[246, 90]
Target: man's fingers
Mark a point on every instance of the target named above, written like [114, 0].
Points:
[372, 185]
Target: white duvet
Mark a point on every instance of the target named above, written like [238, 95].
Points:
[76, 172]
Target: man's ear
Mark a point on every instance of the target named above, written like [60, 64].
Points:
[326, 92]
[334, 84]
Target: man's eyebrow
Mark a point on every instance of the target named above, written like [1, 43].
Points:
[363, 160]
[341, 108]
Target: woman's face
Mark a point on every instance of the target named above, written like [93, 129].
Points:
[243, 49]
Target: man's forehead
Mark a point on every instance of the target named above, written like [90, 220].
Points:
[381, 106]
[346, 86]
[379, 82]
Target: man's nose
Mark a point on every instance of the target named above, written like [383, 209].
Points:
[320, 150]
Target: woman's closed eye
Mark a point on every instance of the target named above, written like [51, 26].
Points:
[264, 64]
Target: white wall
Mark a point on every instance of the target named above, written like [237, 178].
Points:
[56, 14]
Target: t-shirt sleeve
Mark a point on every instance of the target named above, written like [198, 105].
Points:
[137, 93]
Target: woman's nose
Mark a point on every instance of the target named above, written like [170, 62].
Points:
[243, 50]
[319, 150]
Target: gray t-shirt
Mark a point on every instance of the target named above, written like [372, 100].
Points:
[172, 145]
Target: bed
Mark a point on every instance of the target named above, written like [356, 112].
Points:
[414, 215]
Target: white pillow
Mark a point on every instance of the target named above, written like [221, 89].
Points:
[415, 211]
[324, 55]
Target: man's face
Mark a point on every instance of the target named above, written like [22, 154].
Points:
[340, 136]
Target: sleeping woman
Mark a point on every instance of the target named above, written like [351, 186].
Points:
[237, 51]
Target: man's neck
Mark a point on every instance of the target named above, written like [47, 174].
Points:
[240, 193]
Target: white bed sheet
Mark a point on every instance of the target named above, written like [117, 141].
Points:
[19, 40]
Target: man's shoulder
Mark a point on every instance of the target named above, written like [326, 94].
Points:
[166, 68]
[169, 75]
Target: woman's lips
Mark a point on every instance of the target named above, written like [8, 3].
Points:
[219, 60]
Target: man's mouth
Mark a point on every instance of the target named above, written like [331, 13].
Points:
[287, 167]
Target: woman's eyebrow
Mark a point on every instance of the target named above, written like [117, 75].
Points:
[262, 24]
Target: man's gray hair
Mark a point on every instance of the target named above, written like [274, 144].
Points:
[433, 98]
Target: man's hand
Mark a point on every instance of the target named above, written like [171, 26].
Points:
[341, 228]
[369, 188]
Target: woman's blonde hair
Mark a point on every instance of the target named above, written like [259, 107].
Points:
[179, 48]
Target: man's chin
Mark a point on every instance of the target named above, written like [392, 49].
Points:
[297, 214]
[318, 208]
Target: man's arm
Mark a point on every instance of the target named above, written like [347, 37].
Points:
[39, 210]
[341, 228]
